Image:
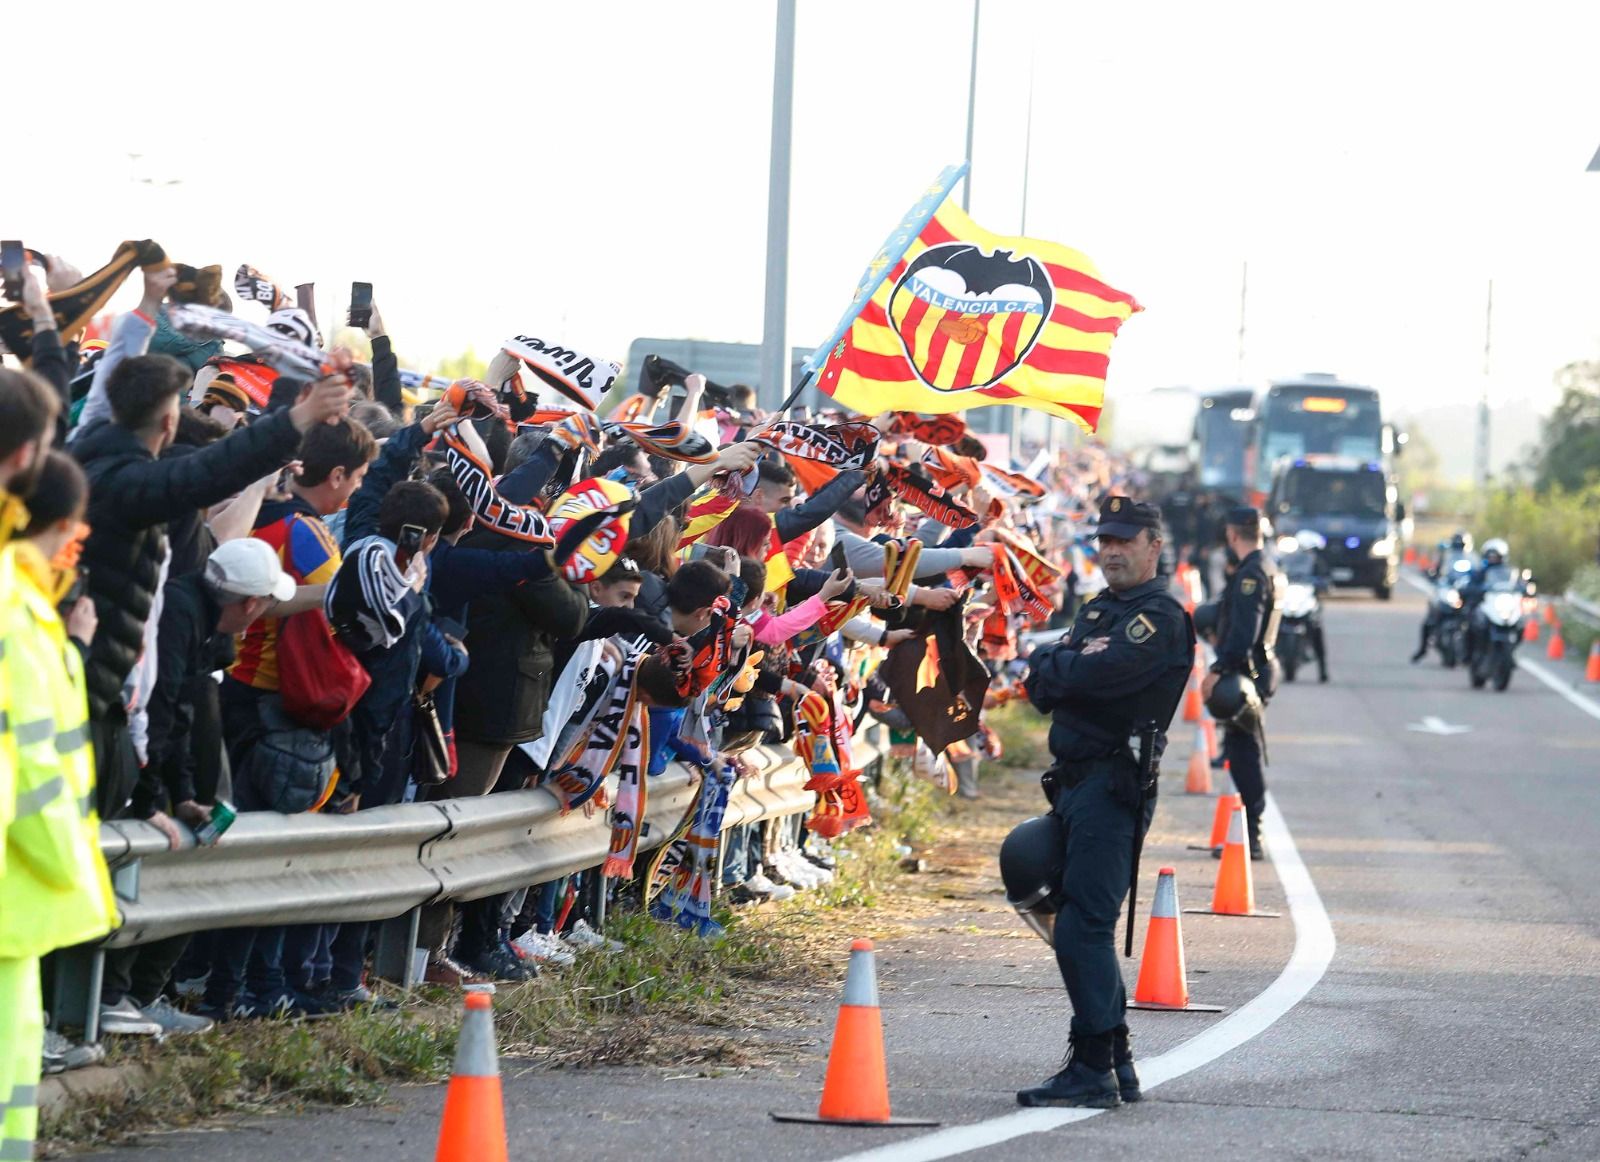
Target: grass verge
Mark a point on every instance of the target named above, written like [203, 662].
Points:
[669, 999]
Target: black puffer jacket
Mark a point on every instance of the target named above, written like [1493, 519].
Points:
[500, 700]
[132, 496]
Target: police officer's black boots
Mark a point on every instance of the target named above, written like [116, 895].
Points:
[1086, 1078]
[1122, 1059]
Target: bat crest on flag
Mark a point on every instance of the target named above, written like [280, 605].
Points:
[967, 319]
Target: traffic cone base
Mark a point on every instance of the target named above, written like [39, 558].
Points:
[1219, 823]
[1235, 893]
[855, 1091]
[1162, 984]
[1591, 672]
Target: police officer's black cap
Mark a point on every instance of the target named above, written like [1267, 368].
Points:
[1123, 517]
[1244, 518]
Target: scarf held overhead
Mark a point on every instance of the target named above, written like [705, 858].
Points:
[518, 521]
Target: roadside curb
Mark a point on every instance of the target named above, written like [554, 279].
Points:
[58, 1091]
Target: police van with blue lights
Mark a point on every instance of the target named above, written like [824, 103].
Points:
[1354, 505]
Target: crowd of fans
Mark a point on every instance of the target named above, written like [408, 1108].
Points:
[229, 587]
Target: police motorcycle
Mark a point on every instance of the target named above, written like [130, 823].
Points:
[1305, 580]
[1497, 624]
[1448, 611]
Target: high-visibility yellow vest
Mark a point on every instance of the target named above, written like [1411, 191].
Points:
[55, 890]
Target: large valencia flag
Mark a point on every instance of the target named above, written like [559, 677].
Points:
[963, 318]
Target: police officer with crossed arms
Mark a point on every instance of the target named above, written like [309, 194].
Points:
[1111, 686]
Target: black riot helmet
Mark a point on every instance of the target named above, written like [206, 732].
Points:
[1235, 699]
[1032, 865]
[1206, 617]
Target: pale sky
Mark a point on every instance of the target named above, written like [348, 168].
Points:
[592, 172]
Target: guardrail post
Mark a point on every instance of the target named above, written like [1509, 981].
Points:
[75, 978]
[395, 956]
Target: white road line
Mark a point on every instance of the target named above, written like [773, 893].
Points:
[1582, 701]
[1313, 951]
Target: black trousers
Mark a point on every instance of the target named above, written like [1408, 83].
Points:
[1243, 753]
[140, 973]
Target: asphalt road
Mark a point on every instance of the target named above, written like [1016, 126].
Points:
[1457, 1018]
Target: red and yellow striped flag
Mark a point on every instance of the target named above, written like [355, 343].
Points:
[966, 318]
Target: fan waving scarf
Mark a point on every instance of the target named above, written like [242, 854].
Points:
[941, 431]
[923, 494]
[75, 306]
[581, 378]
[964, 318]
[675, 441]
[518, 521]
[840, 446]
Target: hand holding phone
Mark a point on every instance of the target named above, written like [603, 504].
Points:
[360, 304]
[12, 259]
[409, 545]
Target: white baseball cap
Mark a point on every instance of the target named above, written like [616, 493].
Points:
[248, 567]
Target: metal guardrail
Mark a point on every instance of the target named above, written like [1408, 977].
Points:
[382, 863]
[1587, 610]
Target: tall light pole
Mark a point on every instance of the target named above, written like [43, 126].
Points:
[972, 105]
[1244, 303]
[775, 370]
[1481, 446]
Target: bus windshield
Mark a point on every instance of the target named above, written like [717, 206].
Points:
[1314, 492]
[1308, 421]
[1223, 437]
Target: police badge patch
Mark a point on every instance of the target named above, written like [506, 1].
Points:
[1141, 629]
[1247, 586]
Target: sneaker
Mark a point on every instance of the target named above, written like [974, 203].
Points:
[1078, 1083]
[360, 997]
[823, 858]
[174, 1020]
[286, 1004]
[445, 970]
[500, 963]
[544, 948]
[584, 938]
[61, 1054]
[124, 1019]
[784, 871]
[762, 886]
[192, 989]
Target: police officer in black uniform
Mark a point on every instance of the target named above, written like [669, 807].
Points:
[1119, 672]
[1245, 632]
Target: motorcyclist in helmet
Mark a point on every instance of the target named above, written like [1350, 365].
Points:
[1495, 552]
[1452, 559]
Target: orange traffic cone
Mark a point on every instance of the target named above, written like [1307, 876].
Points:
[1557, 649]
[1235, 893]
[1162, 981]
[1219, 823]
[855, 1091]
[1591, 672]
[1548, 613]
[474, 1124]
[1199, 778]
[1208, 728]
[1411, 555]
[1530, 630]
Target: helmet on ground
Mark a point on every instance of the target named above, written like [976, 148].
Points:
[1032, 865]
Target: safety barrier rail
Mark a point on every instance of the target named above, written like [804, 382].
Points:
[1586, 610]
[386, 863]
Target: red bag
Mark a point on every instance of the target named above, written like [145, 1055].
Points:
[319, 679]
